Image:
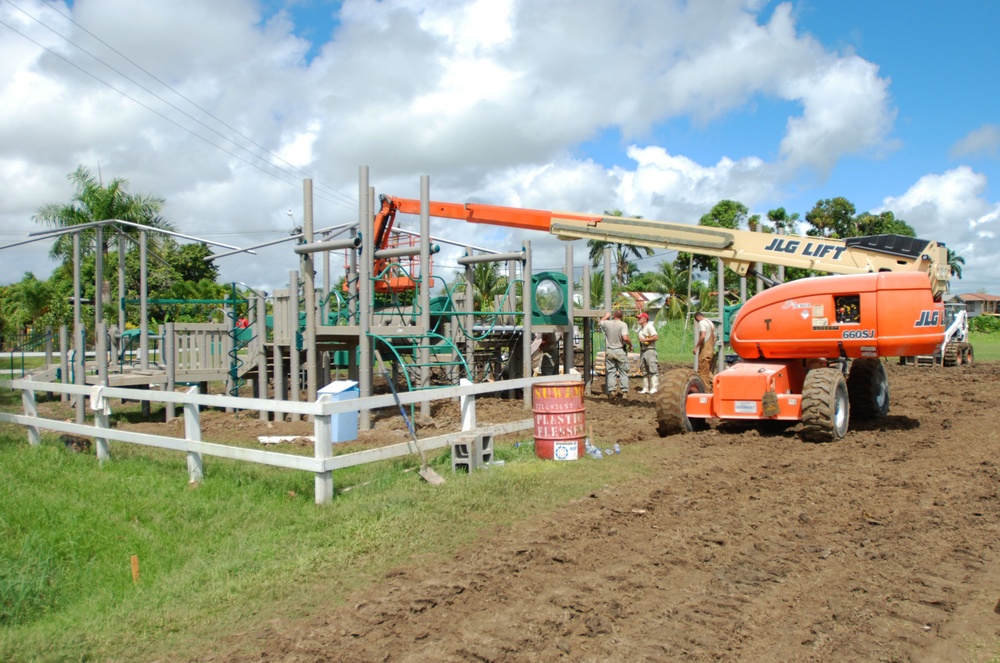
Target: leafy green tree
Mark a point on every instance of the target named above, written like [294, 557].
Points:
[622, 254]
[782, 219]
[832, 217]
[95, 201]
[884, 223]
[669, 280]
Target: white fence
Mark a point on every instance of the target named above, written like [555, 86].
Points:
[323, 410]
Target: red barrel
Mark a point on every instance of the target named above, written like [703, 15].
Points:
[560, 424]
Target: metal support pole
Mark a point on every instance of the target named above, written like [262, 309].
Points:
[526, 297]
[365, 264]
[98, 276]
[121, 286]
[308, 264]
[169, 351]
[759, 267]
[102, 420]
[261, 335]
[79, 341]
[77, 318]
[588, 340]
[568, 336]
[722, 307]
[425, 288]
[143, 302]
[607, 278]
[468, 306]
[294, 375]
[64, 359]
[101, 351]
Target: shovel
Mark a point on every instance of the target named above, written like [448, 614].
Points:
[427, 473]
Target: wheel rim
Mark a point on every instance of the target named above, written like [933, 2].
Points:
[840, 411]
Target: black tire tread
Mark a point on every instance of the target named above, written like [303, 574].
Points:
[818, 409]
[862, 388]
[671, 417]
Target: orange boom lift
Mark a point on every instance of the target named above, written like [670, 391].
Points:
[810, 349]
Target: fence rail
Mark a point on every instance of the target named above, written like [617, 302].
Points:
[323, 461]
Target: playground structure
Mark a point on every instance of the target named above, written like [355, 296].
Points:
[369, 326]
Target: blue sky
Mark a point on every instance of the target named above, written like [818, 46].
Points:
[660, 109]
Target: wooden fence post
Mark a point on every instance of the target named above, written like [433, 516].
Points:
[467, 405]
[192, 432]
[31, 410]
[323, 433]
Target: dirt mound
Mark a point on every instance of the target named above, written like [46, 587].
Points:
[741, 547]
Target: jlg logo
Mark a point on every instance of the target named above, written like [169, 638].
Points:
[929, 319]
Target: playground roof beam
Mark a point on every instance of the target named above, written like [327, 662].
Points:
[337, 245]
[93, 224]
[444, 241]
[495, 257]
[275, 241]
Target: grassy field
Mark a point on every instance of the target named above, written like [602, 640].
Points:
[245, 545]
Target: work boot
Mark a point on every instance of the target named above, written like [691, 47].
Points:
[656, 384]
[645, 383]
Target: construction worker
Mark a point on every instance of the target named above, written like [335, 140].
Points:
[704, 347]
[617, 345]
[648, 359]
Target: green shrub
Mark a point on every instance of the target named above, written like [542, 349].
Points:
[984, 324]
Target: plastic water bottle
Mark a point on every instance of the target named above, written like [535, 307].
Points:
[607, 452]
[618, 448]
[598, 455]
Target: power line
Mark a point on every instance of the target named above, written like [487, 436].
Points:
[161, 115]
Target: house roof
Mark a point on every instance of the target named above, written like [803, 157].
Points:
[978, 297]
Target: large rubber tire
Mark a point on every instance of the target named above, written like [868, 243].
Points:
[969, 355]
[868, 387]
[826, 409]
[671, 399]
[952, 355]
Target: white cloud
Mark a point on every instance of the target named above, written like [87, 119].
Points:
[490, 98]
[982, 141]
[951, 207]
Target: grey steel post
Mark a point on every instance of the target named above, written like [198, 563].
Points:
[64, 359]
[365, 264]
[607, 278]
[143, 302]
[77, 318]
[781, 268]
[568, 336]
[101, 351]
[262, 353]
[722, 307]
[323, 449]
[425, 288]
[759, 267]
[192, 432]
[121, 285]
[79, 340]
[468, 306]
[294, 382]
[308, 266]
[526, 296]
[98, 275]
[279, 375]
[169, 351]
[48, 352]
[352, 281]
[588, 341]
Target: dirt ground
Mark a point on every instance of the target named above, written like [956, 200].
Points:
[739, 547]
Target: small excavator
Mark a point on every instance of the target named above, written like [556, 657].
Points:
[810, 349]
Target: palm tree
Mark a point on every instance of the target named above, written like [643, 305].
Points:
[673, 283]
[956, 262]
[621, 253]
[94, 201]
